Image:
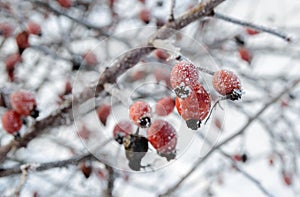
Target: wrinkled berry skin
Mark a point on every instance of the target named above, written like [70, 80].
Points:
[225, 82]
[140, 114]
[163, 138]
[11, 122]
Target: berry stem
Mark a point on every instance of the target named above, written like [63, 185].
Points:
[201, 69]
[171, 17]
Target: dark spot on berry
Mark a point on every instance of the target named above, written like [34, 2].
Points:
[169, 156]
[193, 124]
[17, 136]
[35, 113]
[120, 137]
[145, 122]
[244, 157]
[235, 95]
[159, 3]
[182, 92]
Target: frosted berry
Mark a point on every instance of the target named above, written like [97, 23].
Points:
[145, 15]
[121, 130]
[287, 178]
[103, 112]
[163, 138]
[6, 29]
[227, 83]
[184, 76]
[11, 122]
[24, 103]
[12, 60]
[245, 54]
[251, 32]
[165, 106]
[34, 28]
[22, 41]
[140, 114]
[65, 3]
[136, 147]
[195, 108]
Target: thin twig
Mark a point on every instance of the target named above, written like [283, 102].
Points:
[172, 18]
[253, 26]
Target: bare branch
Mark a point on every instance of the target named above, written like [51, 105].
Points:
[253, 26]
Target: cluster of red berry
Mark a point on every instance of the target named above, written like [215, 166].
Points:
[193, 102]
[23, 104]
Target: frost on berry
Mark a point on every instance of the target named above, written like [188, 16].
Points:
[24, 103]
[6, 29]
[194, 108]
[140, 114]
[163, 138]
[103, 112]
[183, 75]
[11, 121]
[145, 15]
[136, 147]
[121, 130]
[165, 106]
[227, 83]
[34, 28]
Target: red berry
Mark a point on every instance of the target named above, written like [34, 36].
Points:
[11, 121]
[245, 55]
[140, 114]
[226, 83]
[142, 1]
[103, 112]
[145, 15]
[34, 28]
[121, 130]
[250, 31]
[194, 108]
[184, 76]
[6, 29]
[12, 60]
[161, 54]
[23, 102]
[90, 58]
[237, 157]
[287, 178]
[84, 133]
[65, 3]
[165, 106]
[22, 41]
[163, 138]
[86, 170]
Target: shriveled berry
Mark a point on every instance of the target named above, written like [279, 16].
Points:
[145, 15]
[195, 108]
[11, 121]
[86, 169]
[163, 138]
[245, 54]
[90, 59]
[6, 29]
[140, 114]
[65, 3]
[161, 54]
[22, 41]
[23, 102]
[287, 178]
[103, 112]
[121, 130]
[165, 106]
[251, 32]
[34, 28]
[225, 82]
[184, 76]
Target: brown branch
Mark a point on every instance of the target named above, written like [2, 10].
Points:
[230, 138]
[46, 166]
